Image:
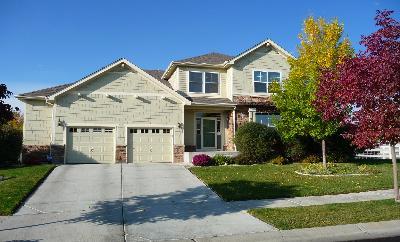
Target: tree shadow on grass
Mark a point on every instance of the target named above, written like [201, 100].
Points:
[192, 203]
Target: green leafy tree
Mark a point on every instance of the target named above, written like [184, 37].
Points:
[322, 46]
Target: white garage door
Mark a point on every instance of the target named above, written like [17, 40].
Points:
[90, 145]
[150, 144]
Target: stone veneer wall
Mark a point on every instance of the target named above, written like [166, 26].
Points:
[229, 132]
[178, 153]
[121, 154]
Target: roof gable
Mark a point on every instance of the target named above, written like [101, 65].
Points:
[152, 75]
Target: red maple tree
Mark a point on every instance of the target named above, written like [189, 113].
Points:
[363, 92]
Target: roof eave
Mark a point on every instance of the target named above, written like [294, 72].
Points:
[173, 65]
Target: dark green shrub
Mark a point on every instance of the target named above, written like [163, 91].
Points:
[221, 160]
[258, 143]
[311, 159]
[301, 147]
[10, 144]
[242, 160]
[279, 160]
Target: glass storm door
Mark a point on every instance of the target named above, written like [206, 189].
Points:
[209, 134]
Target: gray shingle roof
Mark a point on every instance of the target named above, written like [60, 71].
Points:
[209, 100]
[210, 58]
[52, 90]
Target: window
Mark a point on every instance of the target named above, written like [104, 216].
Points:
[155, 131]
[195, 81]
[84, 130]
[96, 130]
[166, 131]
[264, 79]
[108, 130]
[144, 131]
[203, 82]
[73, 130]
[266, 119]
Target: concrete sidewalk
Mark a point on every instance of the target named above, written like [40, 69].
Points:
[314, 200]
[376, 231]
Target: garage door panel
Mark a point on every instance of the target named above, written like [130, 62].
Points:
[86, 146]
[154, 146]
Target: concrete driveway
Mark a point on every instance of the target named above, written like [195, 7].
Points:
[131, 202]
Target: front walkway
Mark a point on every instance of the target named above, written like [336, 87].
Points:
[314, 200]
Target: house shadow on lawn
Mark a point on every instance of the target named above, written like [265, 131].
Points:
[192, 203]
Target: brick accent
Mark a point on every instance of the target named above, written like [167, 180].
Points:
[120, 154]
[178, 153]
[242, 115]
[229, 133]
[253, 101]
[35, 152]
[57, 152]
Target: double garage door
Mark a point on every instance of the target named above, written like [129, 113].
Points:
[97, 145]
[150, 145]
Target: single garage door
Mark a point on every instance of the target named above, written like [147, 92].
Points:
[150, 144]
[90, 145]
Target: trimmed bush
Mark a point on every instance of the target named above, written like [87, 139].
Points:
[10, 143]
[279, 160]
[311, 159]
[202, 160]
[221, 160]
[257, 142]
[301, 147]
[242, 160]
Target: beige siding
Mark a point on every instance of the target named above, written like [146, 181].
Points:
[122, 108]
[174, 79]
[37, 123]
[184, 81]
[264, 58]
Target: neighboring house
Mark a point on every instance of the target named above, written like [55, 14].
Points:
[122, 113]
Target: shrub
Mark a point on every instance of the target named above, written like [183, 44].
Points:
[257, 142]
[10, 143]
[311, 159]
[242, 160]
[279, 160]
[301, 147]
[221, 160]
[202, 160]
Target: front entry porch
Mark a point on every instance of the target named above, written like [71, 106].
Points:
[208, 129]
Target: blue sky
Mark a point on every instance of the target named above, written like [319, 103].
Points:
[46, 43]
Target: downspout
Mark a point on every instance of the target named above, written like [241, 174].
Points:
[52, 124]
[234, 127]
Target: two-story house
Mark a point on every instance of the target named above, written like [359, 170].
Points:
[122, 113]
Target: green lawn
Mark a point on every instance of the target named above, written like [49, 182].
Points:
[331, 214]
[21, 181]
[235, 183]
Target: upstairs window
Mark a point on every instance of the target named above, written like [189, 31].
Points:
[203, 82]
[264, 79]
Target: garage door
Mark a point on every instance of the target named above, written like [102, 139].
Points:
[150, 145]
[90, 145]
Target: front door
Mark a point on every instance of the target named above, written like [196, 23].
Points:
[209, 133]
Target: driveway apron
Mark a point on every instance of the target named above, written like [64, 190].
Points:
[164, 201]
[75, 203]
[132, 202]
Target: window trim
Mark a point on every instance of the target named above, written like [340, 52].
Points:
[265, 70]
[203, 82]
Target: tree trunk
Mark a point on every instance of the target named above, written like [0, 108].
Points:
[395, 181]
[324, 154]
